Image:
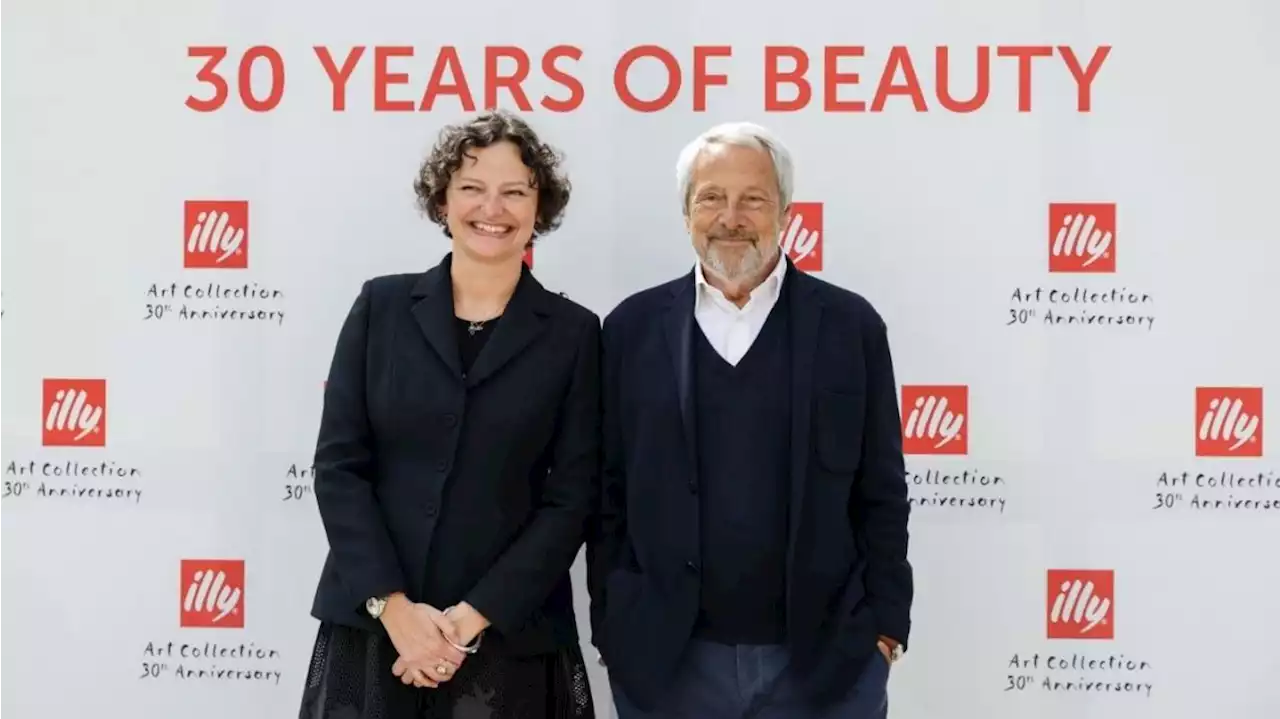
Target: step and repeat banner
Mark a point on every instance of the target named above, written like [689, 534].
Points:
[1065, 211]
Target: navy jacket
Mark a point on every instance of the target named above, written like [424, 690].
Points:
[848, 578]
[452, 487]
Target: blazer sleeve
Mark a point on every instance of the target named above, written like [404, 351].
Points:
[880, 499]
[607, 528]
[525, 574]
[360, 545]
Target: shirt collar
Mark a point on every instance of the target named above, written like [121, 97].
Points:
[768, 290]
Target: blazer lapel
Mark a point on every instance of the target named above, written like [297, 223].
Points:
[679, 329]
[433, 312]
[805, 316]
[520, 325]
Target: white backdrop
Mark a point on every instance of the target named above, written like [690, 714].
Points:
[1077, 457]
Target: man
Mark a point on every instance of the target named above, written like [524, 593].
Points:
[749, 557]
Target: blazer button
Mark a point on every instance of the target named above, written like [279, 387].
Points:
[450, 420]
[441, 465]
[431, 509]
[691, 565]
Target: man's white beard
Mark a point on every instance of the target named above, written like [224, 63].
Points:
[738, 266]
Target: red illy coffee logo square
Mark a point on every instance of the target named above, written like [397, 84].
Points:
[801, 239]
[211, 593]
[75, 413]
[1082, 237]
[1081, 604]
[1228, 421]
[934, 419]
[215, 234]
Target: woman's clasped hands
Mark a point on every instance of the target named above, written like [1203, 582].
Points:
[425, 640]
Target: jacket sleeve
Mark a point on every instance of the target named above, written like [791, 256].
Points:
[522, 578]
[880, 502]
[607, 528]
[359, 543]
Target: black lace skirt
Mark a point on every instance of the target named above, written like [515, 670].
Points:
[350, 678]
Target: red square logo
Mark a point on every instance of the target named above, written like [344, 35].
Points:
[1082, 237]
[1228, 421]
[1081, 604]
[801, 239]
[75, 413]
[934, 419]
[528, 257]
[215, 234]
[211, 593]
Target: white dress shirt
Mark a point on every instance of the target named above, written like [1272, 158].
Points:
[732, 330]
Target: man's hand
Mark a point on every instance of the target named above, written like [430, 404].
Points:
[421, 635]
[886, 647]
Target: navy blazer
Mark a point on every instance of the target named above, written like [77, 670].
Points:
[848, 578]
[449, 486]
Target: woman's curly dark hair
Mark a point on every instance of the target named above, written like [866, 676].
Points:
[457, 141]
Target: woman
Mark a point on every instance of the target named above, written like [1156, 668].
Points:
[456, 459]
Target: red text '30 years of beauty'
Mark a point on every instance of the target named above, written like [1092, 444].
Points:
[794, 79]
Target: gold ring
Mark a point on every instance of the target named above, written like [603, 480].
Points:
[442, 669]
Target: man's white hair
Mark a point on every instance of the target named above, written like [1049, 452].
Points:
[744, 134]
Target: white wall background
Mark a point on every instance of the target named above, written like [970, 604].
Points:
[936, 217]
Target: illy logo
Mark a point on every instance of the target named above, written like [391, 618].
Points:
[1082, 237]
[801, 239]
[215, 234]
[1228, 421]
[212, 593]
[1081, 604]
[75, 413]
[933, 420]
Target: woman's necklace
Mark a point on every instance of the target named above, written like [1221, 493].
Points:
[474, 326]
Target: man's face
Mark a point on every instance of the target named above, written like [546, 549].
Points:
[734, 213]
